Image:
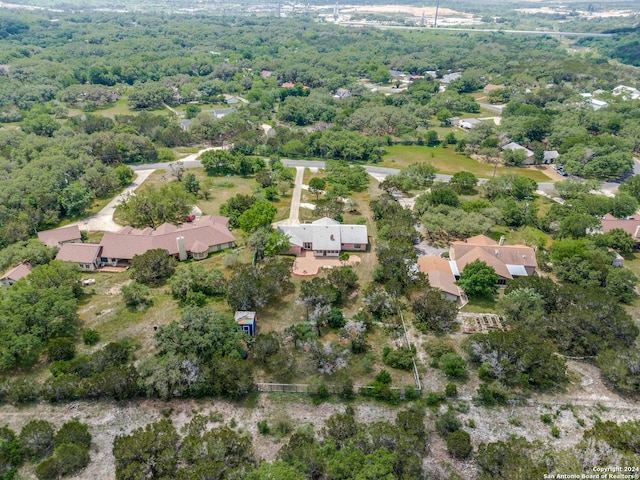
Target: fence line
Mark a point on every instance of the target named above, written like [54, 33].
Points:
[305, 388]
[413, 358]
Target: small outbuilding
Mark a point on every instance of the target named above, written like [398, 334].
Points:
[247, 321]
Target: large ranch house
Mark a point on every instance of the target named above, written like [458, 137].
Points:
[509, 262]
[326, 237]
[190, 240]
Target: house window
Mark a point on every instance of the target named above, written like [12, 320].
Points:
[502, 281]
[306, 245]
[357, 245]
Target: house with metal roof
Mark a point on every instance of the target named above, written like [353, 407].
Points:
[325, 237]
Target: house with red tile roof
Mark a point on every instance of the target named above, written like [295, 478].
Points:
[58, 236]
[16, 273]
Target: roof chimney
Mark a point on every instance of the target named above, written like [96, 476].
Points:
[182, 251]
[501, 242]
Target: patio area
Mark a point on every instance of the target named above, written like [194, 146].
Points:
[308, 265]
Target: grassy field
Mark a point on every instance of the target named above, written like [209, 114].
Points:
[447, 161]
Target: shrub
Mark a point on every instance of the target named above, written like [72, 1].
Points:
[48, 469]
[73, 433]
[459, 444]
[90, 337]
[383, 377]
[411, 393]
[448, 423]
[437, 347]
[433, 399]
[22, 390]
[11, 457]
[61, 349]
[546, 418]
[263, 427]
[453, 365]
[71, 458]
[555, 431]
[451, 390]
[401, 358]
[490, 395]
[36, 439]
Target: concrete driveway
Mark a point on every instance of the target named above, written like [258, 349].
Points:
[103, 220]
[294, 212]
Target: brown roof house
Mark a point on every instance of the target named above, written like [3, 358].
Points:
[16, 273]
[509, 261]
[441, 276]
[209, 234]
[631, 225]
[86, 255]
[326, 237]
[58, 236]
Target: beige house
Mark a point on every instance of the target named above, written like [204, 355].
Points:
[86, 255]
[630, 225]
[58, 236]
[440, 274]
[196, 240]
[16, 273]
[190, 240]
[509, 261]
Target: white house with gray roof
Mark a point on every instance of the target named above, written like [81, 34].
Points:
[325, 237]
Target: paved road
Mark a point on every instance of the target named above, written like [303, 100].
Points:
[103, 220]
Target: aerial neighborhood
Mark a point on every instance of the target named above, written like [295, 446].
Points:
[319, 242]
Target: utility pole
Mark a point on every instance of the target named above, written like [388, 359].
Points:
[435, 19]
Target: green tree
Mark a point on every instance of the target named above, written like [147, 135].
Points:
[434, 313]
[75, 199]
[73, 432]
[147, 452]
[459, 444]
[61, 349]
[136, 295]
[36, 439]
[260, 214]
[11, 455]
[191, 183]
[453, 365]
[317, 185]
[621, 241]
[192, 111]
[124, 174]
[154, 206]
[153, 267]
[464, 182]
[478, 279]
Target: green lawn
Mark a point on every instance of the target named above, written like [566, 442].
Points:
[447, 161]
[481, 305]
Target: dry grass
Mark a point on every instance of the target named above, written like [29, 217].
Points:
[446, 160]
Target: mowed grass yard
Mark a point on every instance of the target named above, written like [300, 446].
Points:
[448, 161]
